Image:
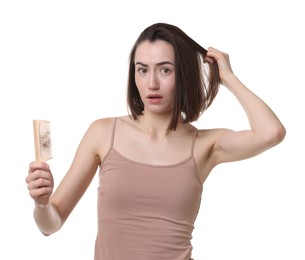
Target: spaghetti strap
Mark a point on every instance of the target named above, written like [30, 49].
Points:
[194, 139]
[113, 132]
[111, 143]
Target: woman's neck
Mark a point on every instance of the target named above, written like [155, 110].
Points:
[155, 125]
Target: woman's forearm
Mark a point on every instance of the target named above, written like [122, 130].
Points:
[262, 119]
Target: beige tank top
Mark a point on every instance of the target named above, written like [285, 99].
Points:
[146, 212]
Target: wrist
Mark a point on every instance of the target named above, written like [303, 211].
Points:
[41, 206]
[228, 78]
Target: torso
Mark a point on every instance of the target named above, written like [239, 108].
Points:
[149, 196]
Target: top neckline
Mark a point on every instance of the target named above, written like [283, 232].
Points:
[112, 148]
[152, 165]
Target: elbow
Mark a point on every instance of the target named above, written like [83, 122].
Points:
[276, 135]
[48, 231]
[279, 134]
[47, 219]
[45, 233]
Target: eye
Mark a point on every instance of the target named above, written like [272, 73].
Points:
[165, 70]
[141, 70]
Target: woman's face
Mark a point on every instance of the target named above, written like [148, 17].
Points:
[155, 75]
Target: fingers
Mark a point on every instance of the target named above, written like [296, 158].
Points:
[41, 196]
[215, 54]
[38, 165]
[39, 181]
[222, 59]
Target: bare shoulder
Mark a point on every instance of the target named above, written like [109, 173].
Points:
[104, 127]
[206, 142]
[211, 135]
[127, 120]
[102, 124]
[99, 134]
[127, 126]
[101, 129]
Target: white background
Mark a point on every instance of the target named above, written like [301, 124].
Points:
[66, 61]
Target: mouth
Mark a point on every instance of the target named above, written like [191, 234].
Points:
[154, 96]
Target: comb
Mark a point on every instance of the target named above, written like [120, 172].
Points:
[42, 140]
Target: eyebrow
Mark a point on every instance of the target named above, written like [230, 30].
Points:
[158, 64]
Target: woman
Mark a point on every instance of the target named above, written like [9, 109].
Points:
[154, 162]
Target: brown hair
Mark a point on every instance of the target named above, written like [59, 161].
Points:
[195, 88]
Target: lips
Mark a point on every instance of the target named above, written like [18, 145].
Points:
[154, 96]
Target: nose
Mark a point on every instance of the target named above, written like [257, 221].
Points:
[153, 82]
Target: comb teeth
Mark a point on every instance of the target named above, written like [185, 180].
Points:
[42, 137]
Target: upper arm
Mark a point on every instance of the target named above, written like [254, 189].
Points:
[88, 156]
[232, 145]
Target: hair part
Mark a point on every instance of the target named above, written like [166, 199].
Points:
[197, 81]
